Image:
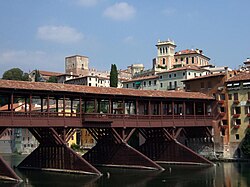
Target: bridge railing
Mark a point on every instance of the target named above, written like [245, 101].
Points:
[38, 114]
[99, 115]
[134, 116]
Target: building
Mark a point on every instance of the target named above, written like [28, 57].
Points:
[165, 54]
[77, 65]
[143, 83]
[190, 57]
[238, 89]
[168, 59]
[43, 75]
[166, 80]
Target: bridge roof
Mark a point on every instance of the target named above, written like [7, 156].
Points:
[75, 89]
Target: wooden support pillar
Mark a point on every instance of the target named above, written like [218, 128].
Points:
[123, 106]
[194, 109]
[184, 109]
[11, 102]
[136, 106]
[41, 103]
[57, 105]
[71, 106]
[80, 105]
[204, 109]
[25, 104]
[48, 105]
[95, 105]
[64, 105]
[173, 109]
[110, 106]
[149, 108]
[52, 154]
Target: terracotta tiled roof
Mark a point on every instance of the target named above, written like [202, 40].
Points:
[186, 51]
[142, 78]
[76, 89]
[244, 76]
[49, 73]
[190, 67]
[206, 76]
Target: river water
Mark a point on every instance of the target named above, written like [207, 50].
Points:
[221, 175]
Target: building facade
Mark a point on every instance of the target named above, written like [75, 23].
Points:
[238, 89]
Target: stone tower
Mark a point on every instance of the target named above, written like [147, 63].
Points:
[165, 54]
[77, 65]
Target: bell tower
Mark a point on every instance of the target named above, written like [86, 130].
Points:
[165, 54]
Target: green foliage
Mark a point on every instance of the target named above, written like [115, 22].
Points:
[75, 147]
[245, 146]
[113, 76]
[15, 74]
[37, 76]
[52, 79]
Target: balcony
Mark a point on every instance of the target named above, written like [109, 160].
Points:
[222, 114]
[224, 126]
[221, 102]
[236, 126]
[236, 102]
[236, 115]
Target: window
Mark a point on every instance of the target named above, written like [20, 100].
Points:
[202, 85]
[223, 132]
[222, 109]
[127, 85]
[235, 96]
[133, 84]
[149, 83]
[166, 50]
[176, 60]
[229, 96]
[189, 73]
[247, 109]
[237, 136]
[175, 84]
[183, 73]
[237, 110]
[188, 87]
[237, 121]
[175, 75]
[89, 84]
[187, 60]
[181, 59]
[170, 85]
[169, 75]
[195, 74]
[163, 61]
[192, 60]
[144, 83]
[154, 82]
[161, 85]
[209, 85]
[161, 77]
[222, 96]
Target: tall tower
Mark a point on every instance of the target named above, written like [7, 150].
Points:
[77, 65]
[165, 54]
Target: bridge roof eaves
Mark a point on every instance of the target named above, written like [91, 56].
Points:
[78, 89]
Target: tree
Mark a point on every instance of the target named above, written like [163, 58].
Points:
[52, 79]
[113, 79]
[37, 76]
[13, 74]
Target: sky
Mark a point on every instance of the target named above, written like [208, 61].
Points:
[40, 34]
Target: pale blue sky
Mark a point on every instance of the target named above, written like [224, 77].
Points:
[40, 34]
